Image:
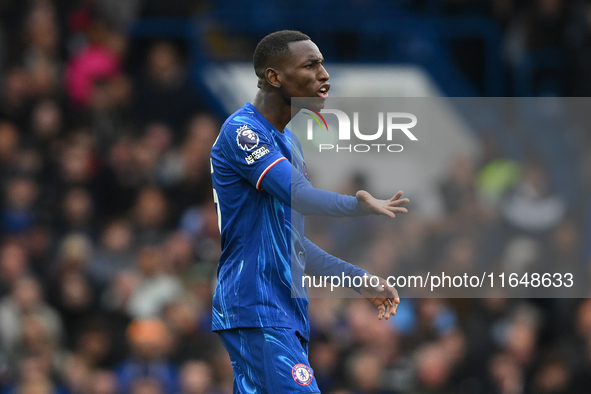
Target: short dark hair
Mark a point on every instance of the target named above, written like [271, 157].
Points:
[274, 44]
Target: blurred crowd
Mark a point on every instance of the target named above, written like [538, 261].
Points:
[495, 215]
[545, 42]
[109, 238]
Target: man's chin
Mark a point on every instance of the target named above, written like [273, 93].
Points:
[313, 103]
[316, 103]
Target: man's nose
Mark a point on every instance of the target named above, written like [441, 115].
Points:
[323, 74]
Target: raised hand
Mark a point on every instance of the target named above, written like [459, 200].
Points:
[373, 206]
[384, 297]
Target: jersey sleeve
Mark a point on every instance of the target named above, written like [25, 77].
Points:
[251, 152]
[321, 263]
[289, 185]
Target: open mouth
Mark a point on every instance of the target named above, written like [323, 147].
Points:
[323, 91]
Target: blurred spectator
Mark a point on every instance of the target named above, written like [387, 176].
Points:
[163, 94]
[19, 213]
[94, 345]
[8, 145]
[25, 304]
[425, 320]
[496, 178]
[39, 242]
[119, 180]
[15, 97]
[433, 369]
[459, 191]
[14, 264]
[521, 336]
[553, 377]
[365, 372]
[115, 298]
[106, 212]
[77, 162]
[486, 320]
[77, 212]
[71, 291]
[577, 349]
[120, 13]
[521, 253]
[186, 171]
[196, 378]
[465, 210]
[201, 224]
[156, 287]
[506, 374]
[146, 386]
[223, 370]
[179, 251]
[150, 150]
[96, 62]
[324, 356]
[46, 124]
[533, 207]
[150, 215]
[103, 382]
[565, 248]
[114, 253]
[40, 55]
[110, 111]
[148, 369]
[35, 377]
[76, 375]
[192, 337]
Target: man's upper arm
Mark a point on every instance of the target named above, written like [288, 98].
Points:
[251, 152]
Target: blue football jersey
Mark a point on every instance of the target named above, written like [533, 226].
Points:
[258, 176]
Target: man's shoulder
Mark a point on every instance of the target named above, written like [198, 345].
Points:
[244, 118]
[245, 128]
[243, 131]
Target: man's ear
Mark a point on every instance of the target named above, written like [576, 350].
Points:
[272, 78]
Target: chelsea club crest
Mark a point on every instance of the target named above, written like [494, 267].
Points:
[302, 374]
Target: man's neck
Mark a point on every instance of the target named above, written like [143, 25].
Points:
[273, 108]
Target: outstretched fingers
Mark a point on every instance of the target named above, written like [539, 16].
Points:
[386, 309]
[397, 195]
[382, 207]
[384, 297]
[396, 202]
[381, 311]
[388, 305]
[388, 212]
[397, 209]
[395, 304]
